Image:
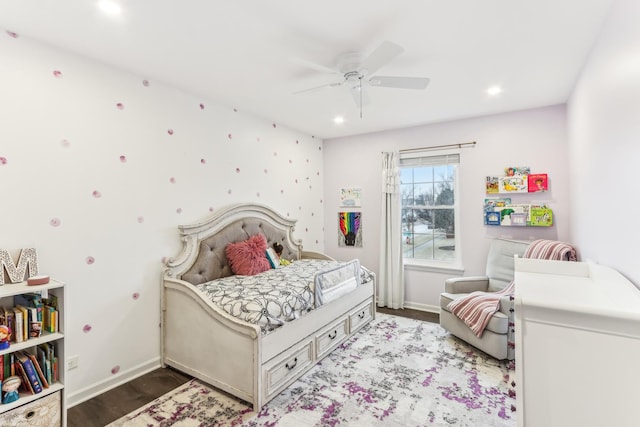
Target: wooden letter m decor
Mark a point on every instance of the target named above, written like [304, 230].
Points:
[28, 258]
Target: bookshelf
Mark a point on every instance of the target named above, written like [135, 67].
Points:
[508, 201]
[31, 407]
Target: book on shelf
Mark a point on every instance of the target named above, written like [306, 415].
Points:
[492, 218]
[51, 300]
[26, 384]
[4, 318]
[48, 361]
[491, 184]
[41, 354]
[17, 333]
[538, 182]
[26, 320]
[33, 314]
[56, 373]
[492, 202]
[541, 217]
[517, 170]
[36, 364]
[30, 372]
[513, 184]
[54, 321]
[7, 318]
[5, 366]
[50, 319]
[8, 366]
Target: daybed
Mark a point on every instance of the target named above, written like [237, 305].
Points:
[242, 358]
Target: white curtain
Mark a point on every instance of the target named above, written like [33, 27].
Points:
[391, 280]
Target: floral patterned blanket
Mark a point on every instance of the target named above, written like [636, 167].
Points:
[272, 298]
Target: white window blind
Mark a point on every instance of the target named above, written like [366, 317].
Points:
[428, 160]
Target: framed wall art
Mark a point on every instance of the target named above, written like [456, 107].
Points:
[350, 230]
[350, 197]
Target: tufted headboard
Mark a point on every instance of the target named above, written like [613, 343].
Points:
[203, 253]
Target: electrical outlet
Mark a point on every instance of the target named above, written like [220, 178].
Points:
[72, 362]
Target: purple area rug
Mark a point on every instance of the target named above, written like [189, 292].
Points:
[395, 372]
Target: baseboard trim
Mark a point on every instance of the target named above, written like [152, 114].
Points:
[98, 388]
[422, 307]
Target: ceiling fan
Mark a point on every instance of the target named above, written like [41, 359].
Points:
[357, 70]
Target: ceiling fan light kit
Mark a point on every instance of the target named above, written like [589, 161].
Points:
[355, 68]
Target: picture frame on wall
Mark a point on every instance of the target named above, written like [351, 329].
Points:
[350, 229]
[350, 197]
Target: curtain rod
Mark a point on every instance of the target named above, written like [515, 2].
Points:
[435, 147]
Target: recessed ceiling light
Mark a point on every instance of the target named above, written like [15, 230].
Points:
[494, 90]
[109, 7]
[338, 120]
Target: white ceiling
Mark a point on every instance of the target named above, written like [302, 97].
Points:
[242, 53]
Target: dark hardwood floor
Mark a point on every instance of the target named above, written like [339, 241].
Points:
[113, 404]
[412, 314]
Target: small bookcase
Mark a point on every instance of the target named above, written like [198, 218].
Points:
[43, 346]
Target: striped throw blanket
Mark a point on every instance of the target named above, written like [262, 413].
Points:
[477, 308]
[551, 249]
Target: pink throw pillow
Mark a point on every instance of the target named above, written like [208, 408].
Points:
[247, 258]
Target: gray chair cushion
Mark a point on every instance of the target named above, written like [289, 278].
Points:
[500, 266]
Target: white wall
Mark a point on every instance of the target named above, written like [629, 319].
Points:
[604, 135]
[535, 138]
[62, 138]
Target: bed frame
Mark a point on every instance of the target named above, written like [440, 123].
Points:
[205, 342]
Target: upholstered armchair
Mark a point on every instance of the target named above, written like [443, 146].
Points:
[498, 333]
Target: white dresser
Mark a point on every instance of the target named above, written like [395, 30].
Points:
[577, 345]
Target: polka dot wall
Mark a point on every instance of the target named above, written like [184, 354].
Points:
[100, 167]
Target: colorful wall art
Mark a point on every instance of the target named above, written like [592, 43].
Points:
[350, 197]
[350, 229]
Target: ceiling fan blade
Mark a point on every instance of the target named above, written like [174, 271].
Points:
[399, 82]
[379, 57]
[313, 66]
[313, 89]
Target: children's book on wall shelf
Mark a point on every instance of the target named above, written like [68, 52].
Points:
[492, 218]
[537, 182]
[491, 184]
[541, 217]
[513, 184]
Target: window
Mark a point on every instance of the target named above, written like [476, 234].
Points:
[428, 189]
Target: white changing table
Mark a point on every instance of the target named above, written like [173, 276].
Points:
[577, 345]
